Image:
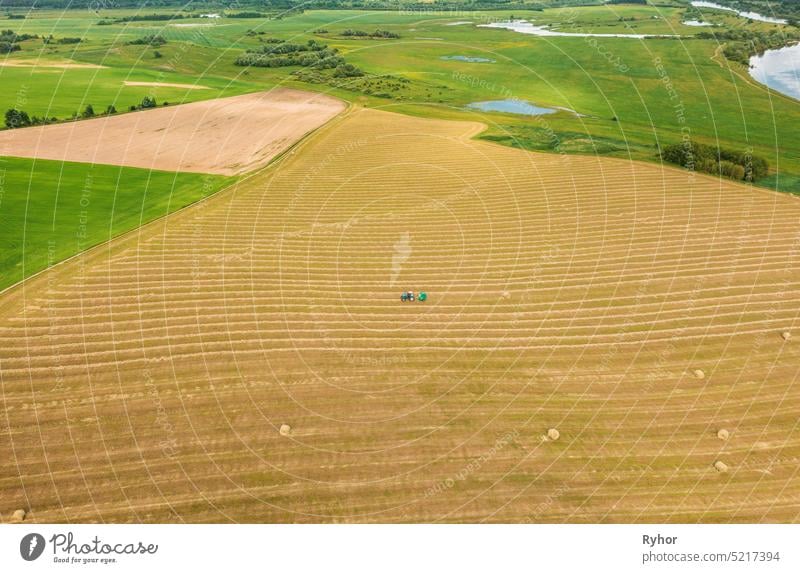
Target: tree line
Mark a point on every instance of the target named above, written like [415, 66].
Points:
[376, 34]
[15, 118]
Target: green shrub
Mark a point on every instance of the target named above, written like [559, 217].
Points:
[8, 47]
[347, 71]
[17, 118]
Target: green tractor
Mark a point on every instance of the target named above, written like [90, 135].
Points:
[408, 296]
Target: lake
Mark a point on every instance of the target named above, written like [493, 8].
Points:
[779, 69]
[750, 15]
[525, 27]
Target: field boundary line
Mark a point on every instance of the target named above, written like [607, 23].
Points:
[128, 235]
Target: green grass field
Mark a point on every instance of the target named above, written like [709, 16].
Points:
[52, 210]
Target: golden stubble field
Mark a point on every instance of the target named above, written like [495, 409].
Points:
[637, 310]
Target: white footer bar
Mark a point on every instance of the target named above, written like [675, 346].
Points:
[400, 548]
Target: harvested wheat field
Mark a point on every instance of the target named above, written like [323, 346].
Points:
[248, 359]
[225, 136]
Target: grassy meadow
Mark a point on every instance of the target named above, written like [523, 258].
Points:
[52, 210]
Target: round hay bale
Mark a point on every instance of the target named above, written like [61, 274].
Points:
[553, 434]
[786, 335]
[723, 434]
[721, 467]
[506, 294]
[18, 515]
[699, 374]
[285, 430]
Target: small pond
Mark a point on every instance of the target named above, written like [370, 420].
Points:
[517, 106]
[470, 59]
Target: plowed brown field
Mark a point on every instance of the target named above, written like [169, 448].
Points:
[147, 380]
[226, 136]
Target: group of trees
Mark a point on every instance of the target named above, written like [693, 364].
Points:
[309, 55]
[8, 47]
[88, 111]
[9, 41]
[375, 34]
[281, 47]
[742, 166]
[154, 40]
[148, 102]
[18, 118]
[312, 55]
